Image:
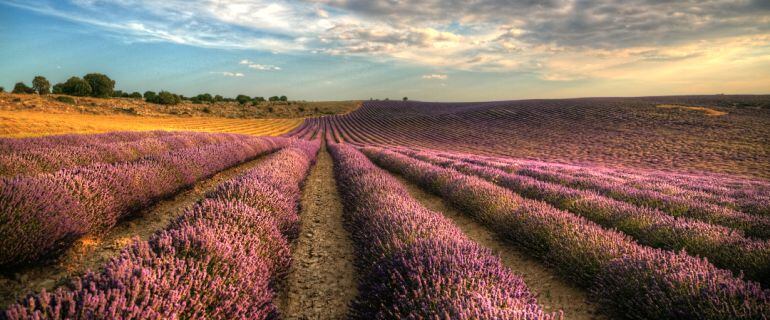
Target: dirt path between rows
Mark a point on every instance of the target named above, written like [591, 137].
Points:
[322, 280]
[553, 293]
[91, 252]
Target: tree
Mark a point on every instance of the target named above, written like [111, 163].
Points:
[135, 95]
[242, 99]
[75, 86]
[218, 98]
[2, 89]
[101, 85]
[41, 85]
[283, 98]
[405, 98]
[274, 98]
[149, 95]
[259, 99]
[58, 88]
[165, 97]
[20, 87]
[117, 93]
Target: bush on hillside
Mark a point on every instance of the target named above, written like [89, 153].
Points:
[135, 95]
[75, 86]
[242, 99]
[41, 85]
[164, 97]
[20, 87]
[101, 85]
[65, 99]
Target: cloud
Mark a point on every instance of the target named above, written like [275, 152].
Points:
[257, 66]
[557, 40]
[230, 74]
[435, 76]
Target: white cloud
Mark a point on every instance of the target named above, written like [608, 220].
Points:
[230, 74]
[257, 66]
[435, 76]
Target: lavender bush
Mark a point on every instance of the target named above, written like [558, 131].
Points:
[413, 262]
[592, 256]
[218, 260]
[44, 213]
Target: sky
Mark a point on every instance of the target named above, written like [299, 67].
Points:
[432, 50]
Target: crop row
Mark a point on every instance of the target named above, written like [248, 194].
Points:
[39, 215]
[748, 195]
[643, 282]
[9, 145]
[414, 263]
[724, 247]
[56, 157]
[218, 260]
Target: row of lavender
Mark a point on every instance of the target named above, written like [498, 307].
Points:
[705, 196]
[725, 247]
[414, 263]
[219, 260]
[640, 281]
[8, 145]
[39, 215]
[54, 157]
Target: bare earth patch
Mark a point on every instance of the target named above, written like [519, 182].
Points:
[707, 111]
[92, 251]
[322, 280]
[553, 293]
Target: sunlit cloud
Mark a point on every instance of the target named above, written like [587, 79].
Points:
[435, 76]
[261, 67]
[558, 40]
[230, 74]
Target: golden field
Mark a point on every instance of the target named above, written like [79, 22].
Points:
[30, 124]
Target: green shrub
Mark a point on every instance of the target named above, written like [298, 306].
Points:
[101, 85]
[135, 95]
[75, 86]
[165, 97]
[242, 99]
[41, 85]
[65, 99]
[20, 87]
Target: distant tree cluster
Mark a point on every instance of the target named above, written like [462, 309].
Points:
[101, 86]
[163, 97]
[92, 84]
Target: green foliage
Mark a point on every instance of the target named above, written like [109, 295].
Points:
[75, 86]
[274, 98]
[242, 99]
[2, 89]
[150, 95]
[101, 85]
[164, 97]
[135, 95]
[117, 93]
[283, 98]
[405, 98]
[58, 88]
[218, 98]
[65, 99]
[20, 87]
[41, 85]
[259, 99]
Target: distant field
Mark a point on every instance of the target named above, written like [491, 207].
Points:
[30, 124]
[725, 134]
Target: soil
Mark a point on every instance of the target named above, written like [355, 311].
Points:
[553, 293]
[92, 251]
[322, 280]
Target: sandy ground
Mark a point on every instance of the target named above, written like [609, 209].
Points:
[553, 293]
[91, 252]
[322, 280]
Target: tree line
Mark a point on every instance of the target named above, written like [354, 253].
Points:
[101, 86]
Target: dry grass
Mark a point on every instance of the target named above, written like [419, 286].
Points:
[30, 123]
[707, 111]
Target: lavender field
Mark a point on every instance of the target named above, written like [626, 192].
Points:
[536, 209]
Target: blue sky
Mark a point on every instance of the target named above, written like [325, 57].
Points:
[426, 50]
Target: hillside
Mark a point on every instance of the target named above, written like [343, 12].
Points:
[138, 107]
[727, 134]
